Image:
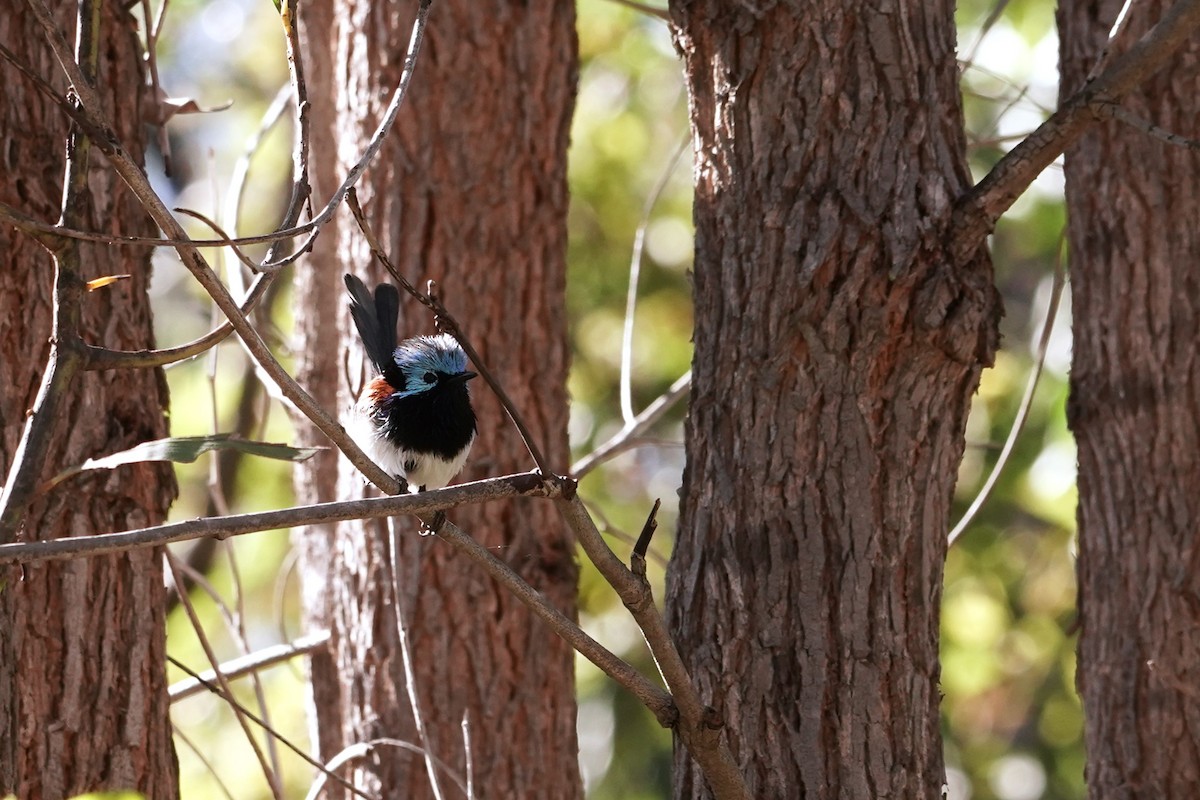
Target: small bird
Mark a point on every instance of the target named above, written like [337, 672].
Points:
[414, 417]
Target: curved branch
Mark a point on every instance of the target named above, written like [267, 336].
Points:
[628, 436]
[977, 212]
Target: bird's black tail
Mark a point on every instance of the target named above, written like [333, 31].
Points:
[375, 319]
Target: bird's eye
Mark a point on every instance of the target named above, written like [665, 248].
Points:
[430, 377]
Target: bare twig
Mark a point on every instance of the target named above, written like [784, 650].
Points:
[100, 358]
[253, 662]
[301, 191]
[239, 712]
[183, 737]
[992, 18]
[1147, 127]
[244, 259]
[33, 226]
[648, 10]
[638, 558]
[363, 749]
[38, 82]
[241, 167]
[695, 725]
[635, 271]
[608, 529]
[627, 437]
[237, 630]
[153, 28]
[1022, 410]
[977, 212]
[286, 571]
[1120, 25]
[410, 672]
[385, 125]
[466, 732]
[229, 698]
[652, 697]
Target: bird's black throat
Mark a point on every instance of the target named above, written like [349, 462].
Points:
[439, 421]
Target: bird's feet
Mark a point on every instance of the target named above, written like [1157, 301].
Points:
[434, 525]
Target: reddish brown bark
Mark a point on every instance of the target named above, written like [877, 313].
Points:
[836, 351]
[470, 190]
[82, 643]
[1132, 206]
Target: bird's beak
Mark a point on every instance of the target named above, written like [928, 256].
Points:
[461, 377]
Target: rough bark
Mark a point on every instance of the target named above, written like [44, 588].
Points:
[1132, 205]
[82, 643]
[470, 189]
[836, 352]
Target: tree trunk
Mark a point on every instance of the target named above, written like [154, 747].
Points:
[836, 352]
[1132, 206]
[470, 189]
[83, 699]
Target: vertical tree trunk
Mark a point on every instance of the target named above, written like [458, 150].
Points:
[1132, 205]
[837, 348]
[82, 643]
[470, 189]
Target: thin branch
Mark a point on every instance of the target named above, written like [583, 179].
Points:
[976, 213]
[238, 634]
[608, 529]
[652, 697]
[176, 237]
[519, 485]
[286, 571]
[627, 436]
[101, 358]
[241, 171]
[239, 711]
[635, 271]
[242, 258]
[183, 737]
[992, 18]
[1119, 27]
[253, 662]
[1149, 128]
[39, 82]
[1022, 410]
[228, 698]
[648, 10]
[638, 558]
[153, 28]
[466, 733]
[698, 726]
[410, 672]
[385, 125]
[301, 191]
[33, 226]
[241, 167]
[363, 749]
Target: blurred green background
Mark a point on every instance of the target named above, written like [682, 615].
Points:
[1011, 716]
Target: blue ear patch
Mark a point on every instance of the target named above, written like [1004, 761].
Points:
[423, 355]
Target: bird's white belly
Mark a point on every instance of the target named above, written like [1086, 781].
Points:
[430, 471]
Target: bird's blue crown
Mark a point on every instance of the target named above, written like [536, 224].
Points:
[420, 359]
